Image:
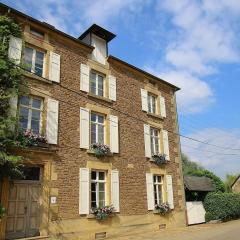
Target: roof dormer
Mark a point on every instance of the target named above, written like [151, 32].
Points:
[98, 37]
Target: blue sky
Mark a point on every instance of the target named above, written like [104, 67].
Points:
[191, 43]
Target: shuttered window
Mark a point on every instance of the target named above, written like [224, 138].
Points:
[30, 113]
[98, 189]
[158, 189]
[97, 84]
[155, 141]
[97, 128]
[152, 103]
[34, 61]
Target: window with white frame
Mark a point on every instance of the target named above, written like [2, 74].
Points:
[34, 61]
[155, 140]
[30, 113]
[98, 189]
[151, 103]
[158, 189]
[97, 128]
[96, 84]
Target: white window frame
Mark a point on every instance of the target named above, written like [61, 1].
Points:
[30, 108]
[158, 185]
[97, 181]
[34, 60]
[152, 101]
[156, 139]
[97, 125]
[97, 80]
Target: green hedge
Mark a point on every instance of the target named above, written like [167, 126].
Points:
[224, 206]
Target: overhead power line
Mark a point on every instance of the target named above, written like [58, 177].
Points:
[136, 118]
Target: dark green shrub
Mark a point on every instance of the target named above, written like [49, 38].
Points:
[224, 206]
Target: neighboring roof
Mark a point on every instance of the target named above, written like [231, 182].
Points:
[199, 184]
[142, 71]
[238, 177]
[100, 32]
[44, 24]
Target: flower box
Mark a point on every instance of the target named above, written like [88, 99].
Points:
[159, 159]
[100, 150]
[29, 139]
[162, 209]
[103, 213]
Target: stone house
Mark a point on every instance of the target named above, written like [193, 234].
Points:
[80, 95]
[236, 185]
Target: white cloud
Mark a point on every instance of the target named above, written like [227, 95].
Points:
[205, 35]
[71, 16]
[220, 161]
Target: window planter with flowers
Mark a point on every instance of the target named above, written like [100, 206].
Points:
[162, 209]
[29, 139]
[102, 213]
[159, 159]
[100, 150]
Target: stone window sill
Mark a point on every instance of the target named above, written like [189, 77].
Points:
[155, 115]
[92, 152]
[91, 95]
[33, 76]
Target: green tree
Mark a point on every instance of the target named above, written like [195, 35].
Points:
[10, 81]
[230, 178]
[194, 169]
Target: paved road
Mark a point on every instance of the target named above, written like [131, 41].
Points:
[220, 231]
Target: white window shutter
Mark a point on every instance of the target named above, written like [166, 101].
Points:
[84, 77]
[84, 128]
[54, 67]
[100, 51]
[165, 144]
[52, 121]
[147, 140]
[144, 96]
[115, 190]
[150, 194]
[114, 138]
[112, 88]
[170, 191]
[84, 189]
[162, 107]
[15, 49]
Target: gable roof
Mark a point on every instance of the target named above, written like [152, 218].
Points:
[199, 184]
[238, 177]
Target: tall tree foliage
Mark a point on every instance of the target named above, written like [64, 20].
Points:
[10, 80]
[194, 169]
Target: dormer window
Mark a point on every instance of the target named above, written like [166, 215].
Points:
[98, 37]
[36, 33]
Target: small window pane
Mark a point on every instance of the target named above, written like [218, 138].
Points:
[35, 126]
[101, 187]
[100, 119]
[36, 103]
[93, 175]
[93, 83]
[93, 117]
[101, 204]
[100, 134]
[93, 133]
[39, 63]
[101, 175]
[93, 187]
[101, 196]
[28, 54]
[100, 85]
[159, 179]
[93, 205]
[93, 196]
[24, 100]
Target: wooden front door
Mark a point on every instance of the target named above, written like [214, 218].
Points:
[23, 213]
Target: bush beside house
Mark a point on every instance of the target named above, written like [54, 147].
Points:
[222, 206]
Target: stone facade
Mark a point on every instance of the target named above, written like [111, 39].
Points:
[61, 171]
